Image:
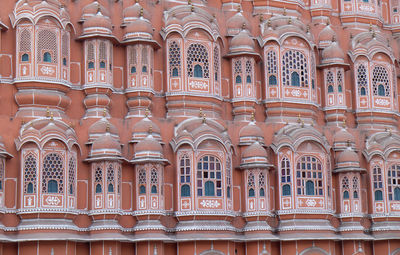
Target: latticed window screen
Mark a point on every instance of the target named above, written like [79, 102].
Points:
[355, 187]
[249, 71]
[1, 175]
[119, 179]
[209, 177]
[362, 80]
[309, 176]
[174, 59]
[25, 41]
[394, 182]
[286, 177]
[330, 81]
[345, 188]
[294, 62]
[90, 53]
[71, 176]
[142, 181]
[98, 179]
[251, 184]
[47, 42]
[237, 70]
[339, 78]
[197, 54]
[110, 178]
[272, 69]
[261, 184]
[102, 51]
[185, 169]
[30, 174]
[133, 59]
[216, 63]
[154, 181]
[380, 81]
[65, 45]
[377, 181]
[53, 174]
[228, 177]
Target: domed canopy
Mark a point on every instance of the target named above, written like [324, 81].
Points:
[134, 12]
[105, 147]
[326, 35]
[148, 150]
[97, 24]
[140, 28]
[348, 160]
[236, 22]
[143, 128]
[333, 54]
[255, 156]
[92, 9]
[343, 139]
[250, 134]
[242, 42]
[100, 128]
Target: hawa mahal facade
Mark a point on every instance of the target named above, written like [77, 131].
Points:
[223, 127]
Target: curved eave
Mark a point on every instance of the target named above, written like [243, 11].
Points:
[153, 43]
[90, 36]
[5, 154]
[243, 53]
[105, 157]
[256, 165]
[334, 64]
[349, 169]
[3, 27]
[150, 160]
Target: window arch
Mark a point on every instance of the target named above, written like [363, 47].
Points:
[30, 167]
[294, 69]
[25, 57]
[174, 58]
[286, 190]
[142, 181]
[380, 81]
[272, 80]
[197, 55]
[102, 54]
[377, 183]
[330, 89]
[251, 184]
[346, 187]
[110, 178]
[53, 173]
[185, 190]
[261, 184]
[249, 71]
[355, 187]
[272, 69]
[132, 59]
[154, 181]
[330, 82]
[98, 179]
[362, 80]
[238, 79]
[394, 182]
[184, 166]
[309, 176]
[47, 57]
[209, 174]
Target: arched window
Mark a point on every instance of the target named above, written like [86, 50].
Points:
[272, 80]
[25, 58]
[198, 71]
[286, 190]
[53, 174]
[295, 79]
[345, 187]
[340, 89]
[346, 195]
[310, 188]
[362, 80]
[197, 55]
[378, 183]
[397, 194]
[98, 188]
[309, 176]
[251, 193]
[248, 79]
[64, 61]
[185, 191]
[355, 187]
[142, 181]
[378, 195]
[154, 189]
[174, 57]
[262, 192]
[30, 174]
[330, 81]
[209, 174]
[295, 69]
[393, 181]
[133, 69]
[110, 188]
[380, 81]
[144, 69]
[381, 90]
[98, 179]
[91, 65]
[47, 57]
[142, 189]
[175, 72]
[102, 64]
[154, 180]
[209, 188]
[110, 178]
[238, 79]
[330, 89]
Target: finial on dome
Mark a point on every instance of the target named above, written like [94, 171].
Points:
[192, 8]
[137, 1]
[370, 27]
[51, 116]
[344, 123]
[389, 130]
[290, 20]
[348, 143]
[269, 23]
[239, 9]
[201, 113]
[308, 29]
[108, 127]
[48, 112]
[104, 112]
[252, 118]
[22, 122]
[261, 18]
[204, 118]
[147, 112]
[243, 26]
[299, 119]
[141, 12]
[328, 22]
[98, 9]
[333, 38]
[151, 129]
[284, 11]
[373, 34]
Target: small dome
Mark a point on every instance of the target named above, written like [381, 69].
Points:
[98, 23]
[242, 42]
[343, 136]
[140, 25]
[149, 144]
[142, 128]
[92, 9]
[251, 133]
[106, 144]
[327, 34]
[333, 53]
[348, 157]
[254, 150]
[135, 11]
[236, 22]
[102, 126]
